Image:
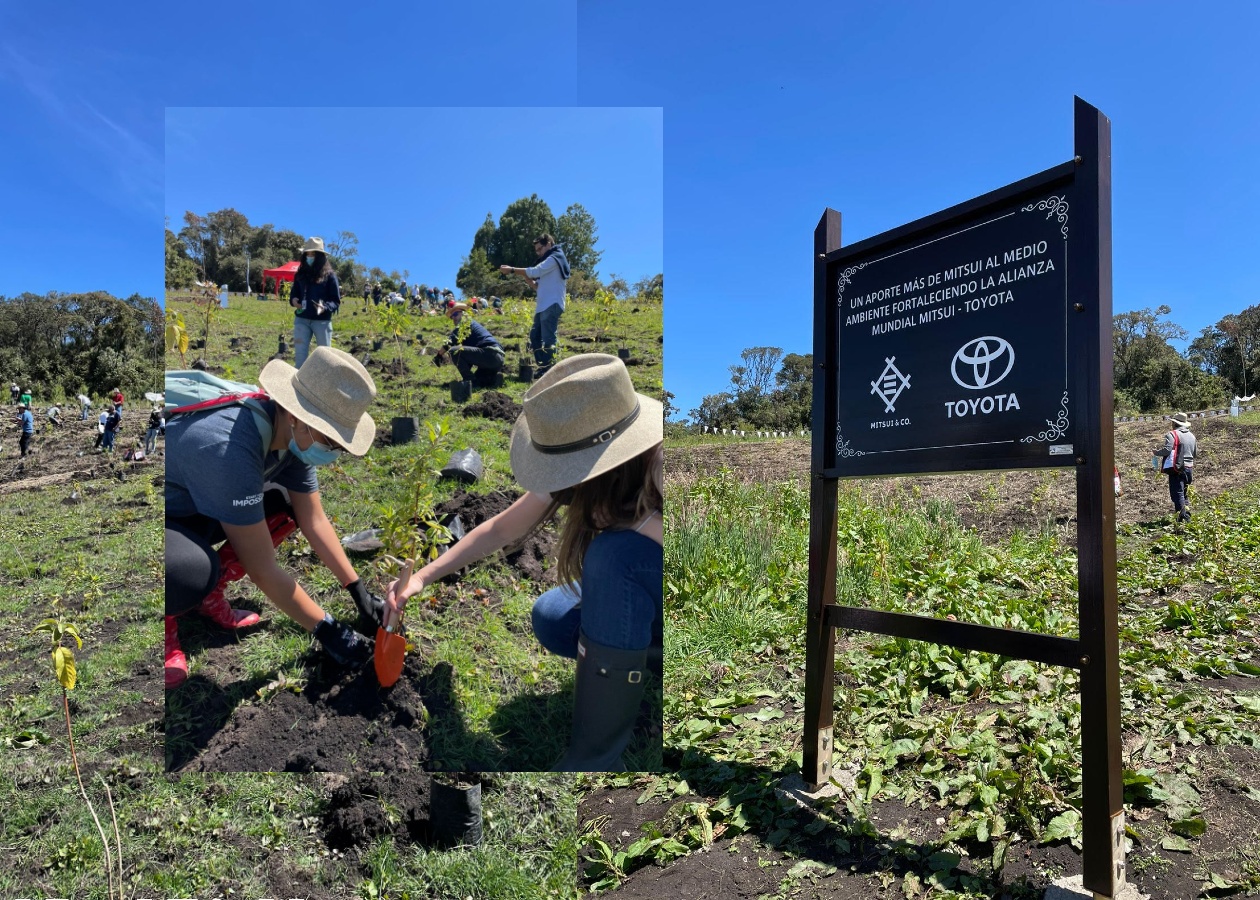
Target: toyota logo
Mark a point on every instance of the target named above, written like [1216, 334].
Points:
[976, 362]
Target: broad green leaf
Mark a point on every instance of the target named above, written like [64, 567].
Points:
[1064, 825]
[1172, 842]
[943, 861]
[1189, 827]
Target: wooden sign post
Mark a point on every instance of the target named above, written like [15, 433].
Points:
[979, 338]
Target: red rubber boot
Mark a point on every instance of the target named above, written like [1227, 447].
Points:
[215, 607]
[176, 663]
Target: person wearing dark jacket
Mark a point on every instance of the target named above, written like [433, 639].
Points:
[316, 295]
[478, 355]
[1178, 462]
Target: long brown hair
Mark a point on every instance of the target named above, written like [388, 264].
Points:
[615, 500]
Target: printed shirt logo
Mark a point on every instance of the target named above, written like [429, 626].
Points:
[890, 384]
[982, 355]
[248, 501]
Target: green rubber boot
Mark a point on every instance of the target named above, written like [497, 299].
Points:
[606, 695]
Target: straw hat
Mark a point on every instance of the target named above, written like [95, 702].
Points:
[1180, 418]
[453, 308]
[313, 245]
[330, 393]
[580, 420]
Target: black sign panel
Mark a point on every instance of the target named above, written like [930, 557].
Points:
[953, 342]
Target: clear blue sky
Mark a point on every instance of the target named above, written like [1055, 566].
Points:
[415, 184]
[890, 111]
[83, 87]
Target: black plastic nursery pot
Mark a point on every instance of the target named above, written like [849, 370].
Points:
[455, 814]
[525, 372]
[623, 353]
[461, 391]
[377, 345]
[405, 429]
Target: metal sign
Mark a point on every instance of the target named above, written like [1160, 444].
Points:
[954, 338]
[979, 338]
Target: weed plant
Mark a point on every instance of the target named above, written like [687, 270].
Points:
[992, 743]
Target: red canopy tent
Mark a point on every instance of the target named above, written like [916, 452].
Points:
[283, 273]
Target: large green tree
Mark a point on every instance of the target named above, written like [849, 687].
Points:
[578, 234]
[523, 221]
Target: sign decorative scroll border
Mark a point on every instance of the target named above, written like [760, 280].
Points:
[1056, 206]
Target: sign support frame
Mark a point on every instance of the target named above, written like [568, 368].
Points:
[1095, 652]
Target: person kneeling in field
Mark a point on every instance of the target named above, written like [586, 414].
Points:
[222, 483]
[588, 442]
[478, 356]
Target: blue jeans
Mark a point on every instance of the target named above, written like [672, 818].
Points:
[150, 441]
[108, 443]
[303, 331]
[620, 606]
[542, 336]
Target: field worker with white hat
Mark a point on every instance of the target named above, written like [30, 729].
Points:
[316, 295]
[479, 357]
[246, 475]
[1178, 462]
[586, 441]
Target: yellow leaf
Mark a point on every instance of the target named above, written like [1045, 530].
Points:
[63, 660]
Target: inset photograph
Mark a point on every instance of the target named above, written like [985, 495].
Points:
[413, 414]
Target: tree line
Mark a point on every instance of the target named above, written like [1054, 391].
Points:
[222, 247]
[772, 391]
[61, 345]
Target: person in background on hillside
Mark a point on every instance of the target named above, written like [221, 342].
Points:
[588, 442]
[25, 397]
[367, 293]
[1178, 462]
[316, 296]
[478, 357]
[548, 278]
[113, 419]
[155, 425]
[376, 293]
[85, 407]
[15, 393]
[117, 397]
[27, 421]
[54, 414]
[224, 484]
[100, 427]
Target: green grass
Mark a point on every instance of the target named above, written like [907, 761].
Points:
[992, 743]
[514, 700]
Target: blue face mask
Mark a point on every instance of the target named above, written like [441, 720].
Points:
[310, 260]
[316, 454]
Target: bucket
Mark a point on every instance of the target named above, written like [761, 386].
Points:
[455, 814]
[405, 429]
[461, 391]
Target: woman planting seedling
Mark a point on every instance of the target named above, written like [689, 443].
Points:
[586, 441]
[244, 472]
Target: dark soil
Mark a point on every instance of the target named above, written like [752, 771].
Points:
[528, 559]
[339, 722]
[494, 405]
[65, 452]
[1000, 504]
[355, 816]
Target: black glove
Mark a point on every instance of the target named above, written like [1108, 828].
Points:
[345, 645]
[371, 607]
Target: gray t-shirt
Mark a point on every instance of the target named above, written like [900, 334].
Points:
[215, 466]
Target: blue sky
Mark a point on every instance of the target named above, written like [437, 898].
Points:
[415, 184]
[84, 86]
[890, 111]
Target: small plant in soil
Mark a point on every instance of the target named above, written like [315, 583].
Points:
[412, 530]
[177, 338]
[395, 323]
[57, 629]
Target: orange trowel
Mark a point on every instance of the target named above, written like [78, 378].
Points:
[390, 644]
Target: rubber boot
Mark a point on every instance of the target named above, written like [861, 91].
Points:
[176, 663]
[215, 608]
[606, 695]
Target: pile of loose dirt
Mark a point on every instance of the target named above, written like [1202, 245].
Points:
[339, 722]
[356, 817]
[529, 558]
[494, 405]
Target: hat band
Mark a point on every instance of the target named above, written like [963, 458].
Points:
[594, 440]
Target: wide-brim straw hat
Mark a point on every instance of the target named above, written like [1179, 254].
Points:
[313, 245]
[580, 420]
[331, 393]
[1179, 418]
[455, 308]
